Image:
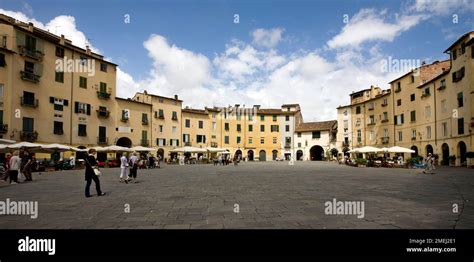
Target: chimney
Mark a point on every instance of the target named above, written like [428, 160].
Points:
[256, 106]
[175, 97]
[31, 26]
[88, 50]
[62, 40]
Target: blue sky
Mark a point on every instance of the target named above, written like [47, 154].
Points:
[301, 61]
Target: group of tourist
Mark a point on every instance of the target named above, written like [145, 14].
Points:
[17, 166]
[397, 161]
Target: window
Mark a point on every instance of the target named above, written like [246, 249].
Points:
[426, 92]
[250, 140]
[287, 128]
[444, 127]
[371, 119]
[385, 116]
[399, 102]
[427, 111]
[226, 126]
[299, 134]
[357, 122]
[413, 134]
[161, 114]
[371, 135]
[213, 125]
[174, 115]
[103, 87]
[250, 117]
[226, 139]
[385, 132]
[399, 87]
[461, 126]
[412, 78]
[102, 134]
[357, 109]
[28, 124]
[444, 107]
[359, 136]
[238, 116]
[187, 123]
[287, 118]
[82, 82]
[413, 116]
[399, 120]
[201, 124]
[262, 128]
[316, 134]
[250, 128]
[82, 108]
[274, 128]
[238, 140]
[454, 53]
[144, 118]
[174, 129]
[59, 51]
[3, 62]
[239, 128]
[29, 67]
[299, 144]
[428, 132]
[275, 118]
[58, 128]
[213, 115]
[262, 140]
[59, 77]
[371, 106]
[103, 67]
[274, 140]
[81, 130]
[30, 43]
[458, 75]
[200, 139]
[460, 100]
[400, 136]
[160, 128]
[442, 83]
[29, 98]
[412, 97]
[262, 118]
[161, 142]
[346, 124]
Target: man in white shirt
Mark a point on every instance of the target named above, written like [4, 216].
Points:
[123, 168]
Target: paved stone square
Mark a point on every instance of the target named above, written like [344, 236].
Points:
[270, 195]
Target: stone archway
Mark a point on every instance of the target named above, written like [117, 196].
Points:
[299, 155]
[274, 154]
[161, 153]
[462, 150]
[238, 154]
[124, 141]
[429, 149]
[316, 153]
[445, 154]
[250, 155]
[262, 155]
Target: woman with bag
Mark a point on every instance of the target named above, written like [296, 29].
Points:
[92, 173]
[14, 164]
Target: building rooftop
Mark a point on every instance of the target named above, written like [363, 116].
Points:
[195, 111]
[428, 71]
[316, 126]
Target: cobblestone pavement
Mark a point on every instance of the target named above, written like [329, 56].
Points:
[271, 195]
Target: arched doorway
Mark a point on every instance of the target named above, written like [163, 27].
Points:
[274, 154]
[316, 153]
[238, 154]
[429, 149]
[462, 152]
[415, 154]
[262, 155]
[161, 153]
[124, 141]
[299, 155]
[445, 150]
[250, 155]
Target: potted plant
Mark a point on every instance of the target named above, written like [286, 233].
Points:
[452, 160]
[361, 162]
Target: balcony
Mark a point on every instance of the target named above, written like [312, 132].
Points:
[144, 122]
[187, 144]
[371, 123]
[384, 104]
[3, 128]
[124, 119]
[103, 94]
[385, 140]
[103, 113]
[425, 95]
[30, 102]
[144, 142]
[413, 138]
[28, 136]
[287, 145]
[441, 87]
[384, 120]
[29, 76]
[174, 118]
[102, 140]
[371, 108]
[398, 90]
[34, 54]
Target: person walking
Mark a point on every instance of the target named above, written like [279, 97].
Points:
[14, 165]
[90, 175]
[7, 167]
[134, 167]
[429, 166]
[26, 163]
[124, 168]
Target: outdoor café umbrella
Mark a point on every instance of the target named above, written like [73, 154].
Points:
[365, 149]
[399, 149]
[215, 149]
[142, 149]
[17, 146]
[54, 148]
[116, 149]
[189, 149]
[6, 141]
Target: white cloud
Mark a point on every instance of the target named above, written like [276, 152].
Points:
[267, 37]
[443, 7]
[370, 25]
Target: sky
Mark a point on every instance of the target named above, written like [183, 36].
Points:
[268, 53]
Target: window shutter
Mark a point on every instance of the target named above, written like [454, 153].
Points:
[20, 38]
[51, 99]
[65, 102]
[76, 107]
[177, 142]
[402, 120]
[38, 69]
[88, 109]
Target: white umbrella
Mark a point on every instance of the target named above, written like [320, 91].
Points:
[115, 149]
[17, 146]
[142, 149]
[225, 152]
[399, 149]
[55, 148]
[215, 149]
[189, 149]
[6, 141]
[365, 149]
